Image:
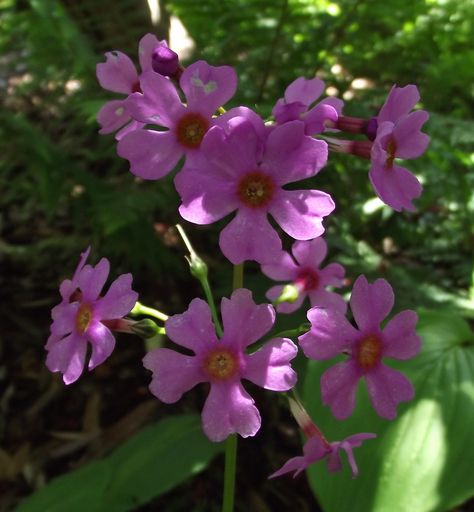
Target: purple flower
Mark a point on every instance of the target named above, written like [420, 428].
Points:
[317, 446]
[299, 96]
[83, 316]
[332, 334]
[223, 363]
[153, 154]
[118, 74]
[398, 136]
[306, 276]
[239, 169]
[316, 449]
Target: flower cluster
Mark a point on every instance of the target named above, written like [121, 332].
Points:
[235, 163]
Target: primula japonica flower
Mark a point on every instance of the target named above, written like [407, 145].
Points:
[317, 447]
[83, 316]
[119, 74]
[298, 98]
[238, 169]
[398, 136]
[153, 154]
[332, 334]
[223, 363]
[306, 277]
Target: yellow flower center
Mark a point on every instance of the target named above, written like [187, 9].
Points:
[369, 352]
[255, 189]
[191, 129]
[83, 318]
[221, 364]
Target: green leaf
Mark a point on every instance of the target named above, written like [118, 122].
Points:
[423, 460]
[152, 462]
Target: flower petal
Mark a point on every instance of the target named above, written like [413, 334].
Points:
[316, 118]
[208, 87]
[282, 269]
[291, 156]
[387, 388]
[151, 154]
[399, 102]
[400, 340]
[159, 104]
[118, 73]
[270, 368]
[410, 142]
[249, 236]
[338, 388]
[296, 464]
[229, 409]
[304, 91]
[332, 275]
[64, 316]
[300, 212]
[192, 329]
[310, 253]
[371, 303]
[119, 299]
[328, 300]
[331, 333]
[91, 280]
[173, 373]
[206, 197]
[67, 356]
[102, 341]
[112, 116]
[244, 321]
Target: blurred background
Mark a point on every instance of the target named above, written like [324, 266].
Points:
[62, 188]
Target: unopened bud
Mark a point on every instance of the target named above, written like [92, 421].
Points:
[197, 266]
[289, 293]
[146, 328]
[164, 61]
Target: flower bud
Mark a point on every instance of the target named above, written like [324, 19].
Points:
[164, 61]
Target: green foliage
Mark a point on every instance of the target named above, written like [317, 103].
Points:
[152, 462]
[422, 460]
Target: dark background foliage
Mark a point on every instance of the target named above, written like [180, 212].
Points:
[62, 187]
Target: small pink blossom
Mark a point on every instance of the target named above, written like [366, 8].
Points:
[309, 280]
[296, 103]
[153, 154]
[332, 334]
[223, 362]
[83, 316]
[244, 168]
[398, 135]
[317, 447]
[119, 74]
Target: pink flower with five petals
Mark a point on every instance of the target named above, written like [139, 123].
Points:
[304, 273]
[223, 362]
[332, 334]
[82, 317]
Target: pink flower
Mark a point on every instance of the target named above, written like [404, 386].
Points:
[118, 74]
[299, 96]
[239, 169]
[332, 334]
[83, 315]
[317, 447]
[223, 363]
[306, 276]
[398, 136]
[153, 154]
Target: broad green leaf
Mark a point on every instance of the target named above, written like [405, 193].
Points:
[152, 462]
[422, 461]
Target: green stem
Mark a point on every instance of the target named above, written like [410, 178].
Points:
[140, 309]
[238, 276]
[199, 271]
[229, 473]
